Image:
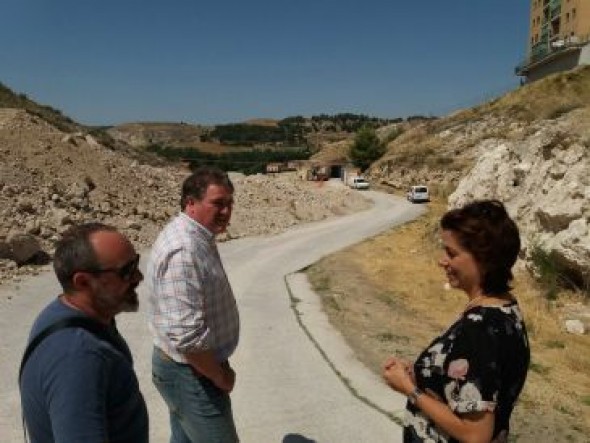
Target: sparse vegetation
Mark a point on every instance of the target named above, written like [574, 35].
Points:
[546, 270]
[552, 276]
[248, 162]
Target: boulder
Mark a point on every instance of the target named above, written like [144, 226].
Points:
[24, 247]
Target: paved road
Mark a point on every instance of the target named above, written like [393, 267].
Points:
[297, 381]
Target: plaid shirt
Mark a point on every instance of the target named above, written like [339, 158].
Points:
[191, 304]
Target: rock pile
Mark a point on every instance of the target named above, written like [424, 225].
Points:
[544, 180]
[50, 180]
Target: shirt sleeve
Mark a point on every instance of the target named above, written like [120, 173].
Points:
[76, 394]
[180, 295]
[472, 368]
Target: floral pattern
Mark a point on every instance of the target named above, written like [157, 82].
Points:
[479, 364]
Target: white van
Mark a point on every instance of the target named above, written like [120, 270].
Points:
[418, 194]
[359, 183]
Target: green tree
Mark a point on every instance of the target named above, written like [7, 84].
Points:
[366, 148]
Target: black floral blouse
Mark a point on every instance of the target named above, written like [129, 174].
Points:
[479, 364]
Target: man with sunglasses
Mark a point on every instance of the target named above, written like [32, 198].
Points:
[78, 384]
[193, 313]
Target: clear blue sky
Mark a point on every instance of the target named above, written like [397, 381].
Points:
[115, 61]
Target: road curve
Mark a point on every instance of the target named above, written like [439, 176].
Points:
[287, 390]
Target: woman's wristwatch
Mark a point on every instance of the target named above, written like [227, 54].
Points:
[413, 396]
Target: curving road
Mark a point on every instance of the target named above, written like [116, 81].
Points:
[297, 381]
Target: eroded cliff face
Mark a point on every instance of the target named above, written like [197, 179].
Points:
[544, 180]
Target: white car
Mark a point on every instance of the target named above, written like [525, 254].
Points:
[359, 183]
[418, 194]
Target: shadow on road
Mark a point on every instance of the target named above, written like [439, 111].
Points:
[296, 438]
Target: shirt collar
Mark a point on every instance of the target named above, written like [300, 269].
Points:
[198, 227]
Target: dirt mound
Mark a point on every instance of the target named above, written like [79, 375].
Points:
[50, 179]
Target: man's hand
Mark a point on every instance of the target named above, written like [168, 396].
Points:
[221, 374]
[227, 378]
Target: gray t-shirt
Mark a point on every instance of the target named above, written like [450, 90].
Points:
[78, 388]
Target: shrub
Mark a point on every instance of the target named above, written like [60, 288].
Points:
[545, 270]
[552, 275]
[366, 148]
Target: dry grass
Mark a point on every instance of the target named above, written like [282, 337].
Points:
[389, 299]
[545, 99]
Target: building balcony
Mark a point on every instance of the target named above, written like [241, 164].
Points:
[545, 51]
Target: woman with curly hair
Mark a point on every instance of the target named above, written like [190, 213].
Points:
[464, 385]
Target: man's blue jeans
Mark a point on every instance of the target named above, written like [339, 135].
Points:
[200, 412]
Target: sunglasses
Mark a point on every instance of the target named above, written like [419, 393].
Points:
[125, 272]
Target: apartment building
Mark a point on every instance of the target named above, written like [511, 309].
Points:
[559, 37]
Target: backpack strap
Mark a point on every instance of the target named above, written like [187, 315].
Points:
[92, 326]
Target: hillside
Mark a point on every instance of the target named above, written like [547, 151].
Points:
[314, 132]
[141, 134]
[441, 151]
[50, 179]
[530, 149]
[10, 99]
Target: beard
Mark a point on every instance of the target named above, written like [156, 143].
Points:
[113, 304]
[131, 303]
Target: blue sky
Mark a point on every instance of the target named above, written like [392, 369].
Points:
[210, 62]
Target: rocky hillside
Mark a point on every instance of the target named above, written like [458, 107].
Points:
[166, 134]
[530, 149]
[50, 179]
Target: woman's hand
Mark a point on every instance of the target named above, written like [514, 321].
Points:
[399, 375]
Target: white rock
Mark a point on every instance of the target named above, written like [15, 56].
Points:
[575, 326]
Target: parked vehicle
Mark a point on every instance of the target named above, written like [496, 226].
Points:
[358, 183]
[418, 194]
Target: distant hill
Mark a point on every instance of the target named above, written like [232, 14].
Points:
[260, 133]
[317, 132]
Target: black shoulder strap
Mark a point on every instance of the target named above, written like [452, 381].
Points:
[87, 323]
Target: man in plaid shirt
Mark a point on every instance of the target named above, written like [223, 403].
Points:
[193, 314]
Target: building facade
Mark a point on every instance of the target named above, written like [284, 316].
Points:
[559, 37]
